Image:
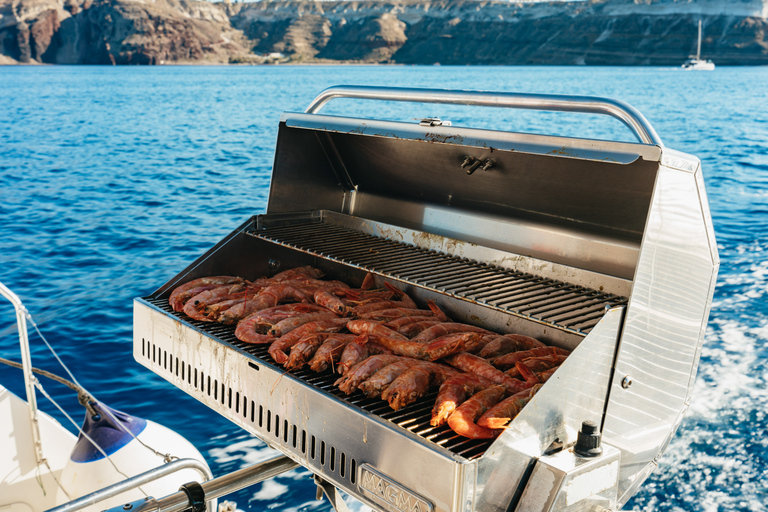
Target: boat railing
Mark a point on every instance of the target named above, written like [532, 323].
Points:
[136, 481]
[26, 363]
[193, 496]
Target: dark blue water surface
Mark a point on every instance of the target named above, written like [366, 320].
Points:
[112, 180]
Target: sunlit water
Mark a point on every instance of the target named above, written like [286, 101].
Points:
[114, 179]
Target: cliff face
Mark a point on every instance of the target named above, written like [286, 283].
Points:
[655, 32]
[118, 32]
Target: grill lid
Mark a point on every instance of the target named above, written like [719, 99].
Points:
[411, 175]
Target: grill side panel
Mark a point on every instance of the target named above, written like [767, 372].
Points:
[550, 421]
[666, 323]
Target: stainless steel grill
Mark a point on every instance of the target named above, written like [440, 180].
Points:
[605, 248]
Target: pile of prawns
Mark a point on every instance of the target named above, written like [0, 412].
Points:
[381, 343]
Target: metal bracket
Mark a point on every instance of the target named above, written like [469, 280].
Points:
[333, 495]
[471, 164]
[142, 505]
[196, 496]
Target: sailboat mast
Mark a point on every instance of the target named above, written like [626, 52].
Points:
[698, 47]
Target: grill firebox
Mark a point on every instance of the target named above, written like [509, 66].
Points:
[603, 248]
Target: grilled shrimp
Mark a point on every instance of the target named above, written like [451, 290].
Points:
[375, 385]
[363, 370]
[374, 328]
[397, 323]
[247, 333]
[331, 302]
[361, 297]
[355, 352]
[449, 344]
[479, 366]
[400, 313]
[310, 286]
[181, 294]
[394, 313]
[196, 306]
[443, 329]
[368, 281]
[306, 272]
[414, 383]
[287, 325]
[508, 360]
[453, 392]
[545, 376]
[439, 314]
[302, 351]
[268, 297]
[462, 421]
[412, 329]
[435, 349]
[505, 411]
[277, 349]
[371, 305]
[405, 300]
[330, 351]
[537, 364]
[213, 311]
[254, 328]
[263, 321]
[509, 343]
[352, 354]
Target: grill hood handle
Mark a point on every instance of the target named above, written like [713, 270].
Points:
[625, 113]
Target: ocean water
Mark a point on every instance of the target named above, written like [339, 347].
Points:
[114, 179]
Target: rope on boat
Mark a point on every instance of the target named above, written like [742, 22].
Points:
[82, 396]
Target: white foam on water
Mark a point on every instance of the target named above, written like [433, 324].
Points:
[247, 451]
[304, 507]
[270, 490]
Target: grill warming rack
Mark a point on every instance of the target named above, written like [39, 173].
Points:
[570, 308]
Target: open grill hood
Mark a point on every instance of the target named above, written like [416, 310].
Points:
[606, 248]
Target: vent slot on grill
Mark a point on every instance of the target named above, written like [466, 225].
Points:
[326, 455]
[567, 307]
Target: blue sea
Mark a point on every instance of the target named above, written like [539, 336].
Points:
[112, 180]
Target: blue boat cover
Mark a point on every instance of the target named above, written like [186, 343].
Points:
[110, 430]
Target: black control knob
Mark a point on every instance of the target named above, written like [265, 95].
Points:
[588, 441]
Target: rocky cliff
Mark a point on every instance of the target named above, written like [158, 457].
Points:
[647, 32]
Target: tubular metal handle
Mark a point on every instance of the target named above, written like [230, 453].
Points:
[625, 113]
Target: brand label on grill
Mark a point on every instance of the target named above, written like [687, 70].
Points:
[388, 493]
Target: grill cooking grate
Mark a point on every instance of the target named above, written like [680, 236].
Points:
[561, 305]
[414, 418]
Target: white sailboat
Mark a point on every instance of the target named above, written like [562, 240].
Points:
[696, 63]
